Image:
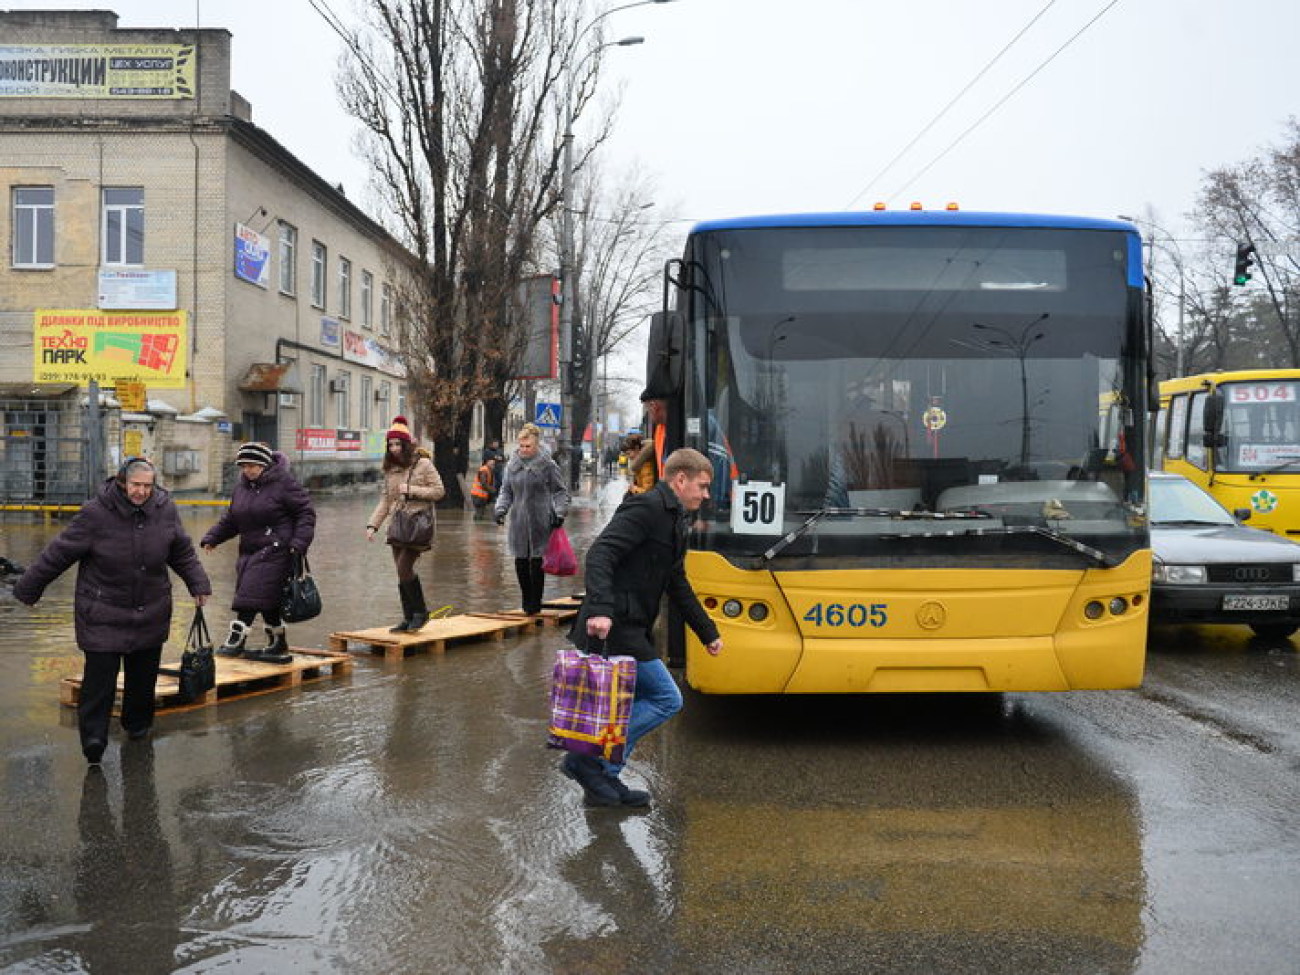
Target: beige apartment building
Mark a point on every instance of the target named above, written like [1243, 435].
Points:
[164, 250]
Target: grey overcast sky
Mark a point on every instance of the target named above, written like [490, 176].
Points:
[1099, 107]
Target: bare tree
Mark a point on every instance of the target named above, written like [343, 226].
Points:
[462, 104]
[620, 252]
[1258, 201]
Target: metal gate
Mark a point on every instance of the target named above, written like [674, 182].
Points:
[43, 451]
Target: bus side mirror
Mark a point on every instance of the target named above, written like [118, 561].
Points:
[663, 365]
[1212, 421]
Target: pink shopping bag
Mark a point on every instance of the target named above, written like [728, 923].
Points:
[558, 559]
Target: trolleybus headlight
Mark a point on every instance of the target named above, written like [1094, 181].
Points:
[1118, 606]
[732, 608]
[1094, 610]
[758, 612]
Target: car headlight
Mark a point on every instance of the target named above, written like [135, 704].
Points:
[1182, 575]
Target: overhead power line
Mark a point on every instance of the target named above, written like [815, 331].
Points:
[1005, 98]
[955, 99]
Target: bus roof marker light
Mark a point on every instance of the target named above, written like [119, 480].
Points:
[878, 206]
[916, 205]
[952, 205]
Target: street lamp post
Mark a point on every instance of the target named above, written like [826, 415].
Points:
[570, 439]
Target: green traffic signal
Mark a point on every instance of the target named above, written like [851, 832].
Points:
[1245, 258]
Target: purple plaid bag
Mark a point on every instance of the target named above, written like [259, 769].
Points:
[591, 699]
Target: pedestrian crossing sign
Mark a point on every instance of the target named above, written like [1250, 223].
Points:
[548, 415]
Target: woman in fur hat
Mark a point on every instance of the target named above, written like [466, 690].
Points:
[272, 516]
[409, 479]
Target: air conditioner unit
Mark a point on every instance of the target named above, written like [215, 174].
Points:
[338, 385]
[381, 395]
[288, 401]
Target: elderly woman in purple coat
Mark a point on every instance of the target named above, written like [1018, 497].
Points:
[273, 516]
[122, 541]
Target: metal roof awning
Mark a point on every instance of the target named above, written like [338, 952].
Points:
[271, 377]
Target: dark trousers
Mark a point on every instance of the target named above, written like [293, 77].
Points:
[531, 583]
[99, 687]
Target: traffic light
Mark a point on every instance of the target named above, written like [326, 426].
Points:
[1245, 258]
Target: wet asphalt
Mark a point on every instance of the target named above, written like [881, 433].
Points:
[406, 817]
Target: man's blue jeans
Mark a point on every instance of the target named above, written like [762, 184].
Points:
[655, 700]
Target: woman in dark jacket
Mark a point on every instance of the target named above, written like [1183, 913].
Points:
[273, 516]
[123, 540]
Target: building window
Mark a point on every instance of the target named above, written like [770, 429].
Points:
[124, 225]
[316, 397]
[367, 402]
[342, 388]
[385, 309]
[401, 401]
[384, 397]
[319, 265]
[33, 226]
[345, 288]
[288, 259]
[367, 299]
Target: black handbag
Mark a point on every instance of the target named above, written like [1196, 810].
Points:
[412, 525]
[198, 670]
[300, 599]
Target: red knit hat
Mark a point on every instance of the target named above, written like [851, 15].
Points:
[398, 430]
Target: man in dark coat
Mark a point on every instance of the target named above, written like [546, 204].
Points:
[273, 516]
[638, 558]
[123, 541]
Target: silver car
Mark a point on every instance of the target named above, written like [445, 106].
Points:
[1209, 568]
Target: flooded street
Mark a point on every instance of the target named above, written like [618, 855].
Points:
[406, 817]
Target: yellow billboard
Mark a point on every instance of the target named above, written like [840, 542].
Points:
[80, 345]
[97, 70]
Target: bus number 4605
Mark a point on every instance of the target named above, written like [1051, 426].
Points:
[854, 614]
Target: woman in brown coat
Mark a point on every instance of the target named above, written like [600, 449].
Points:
[410, 479]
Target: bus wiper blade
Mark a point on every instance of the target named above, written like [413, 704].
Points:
[1087, 551]
[899, 513]
[792, 537]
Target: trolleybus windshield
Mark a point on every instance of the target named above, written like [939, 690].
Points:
[921, 396]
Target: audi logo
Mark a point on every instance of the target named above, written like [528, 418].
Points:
[1250, 574]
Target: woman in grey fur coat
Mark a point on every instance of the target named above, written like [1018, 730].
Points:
[534, 495]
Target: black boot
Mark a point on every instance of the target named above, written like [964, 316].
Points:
[403, 590]
[276, 650]
[234, 645]
[419, 611]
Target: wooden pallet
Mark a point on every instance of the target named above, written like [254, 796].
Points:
[237, 679]
[435, 636]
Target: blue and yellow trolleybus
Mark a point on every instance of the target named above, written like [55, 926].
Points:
[914, 487]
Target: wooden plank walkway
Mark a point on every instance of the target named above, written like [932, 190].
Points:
[438, 634]
[237, 679]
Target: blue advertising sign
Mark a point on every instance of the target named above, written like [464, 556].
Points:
[252, 256]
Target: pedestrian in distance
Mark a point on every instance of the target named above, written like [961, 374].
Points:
[534, 495]
[483, 492]
[638, 557]
[492, 449]
[410, 479]
[123, 541]
[642, 466]
[273, 517]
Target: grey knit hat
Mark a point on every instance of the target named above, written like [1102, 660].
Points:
[254, 453]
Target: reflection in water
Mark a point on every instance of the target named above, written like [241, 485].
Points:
[124, 874]
[916, 835]
[409, 818]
